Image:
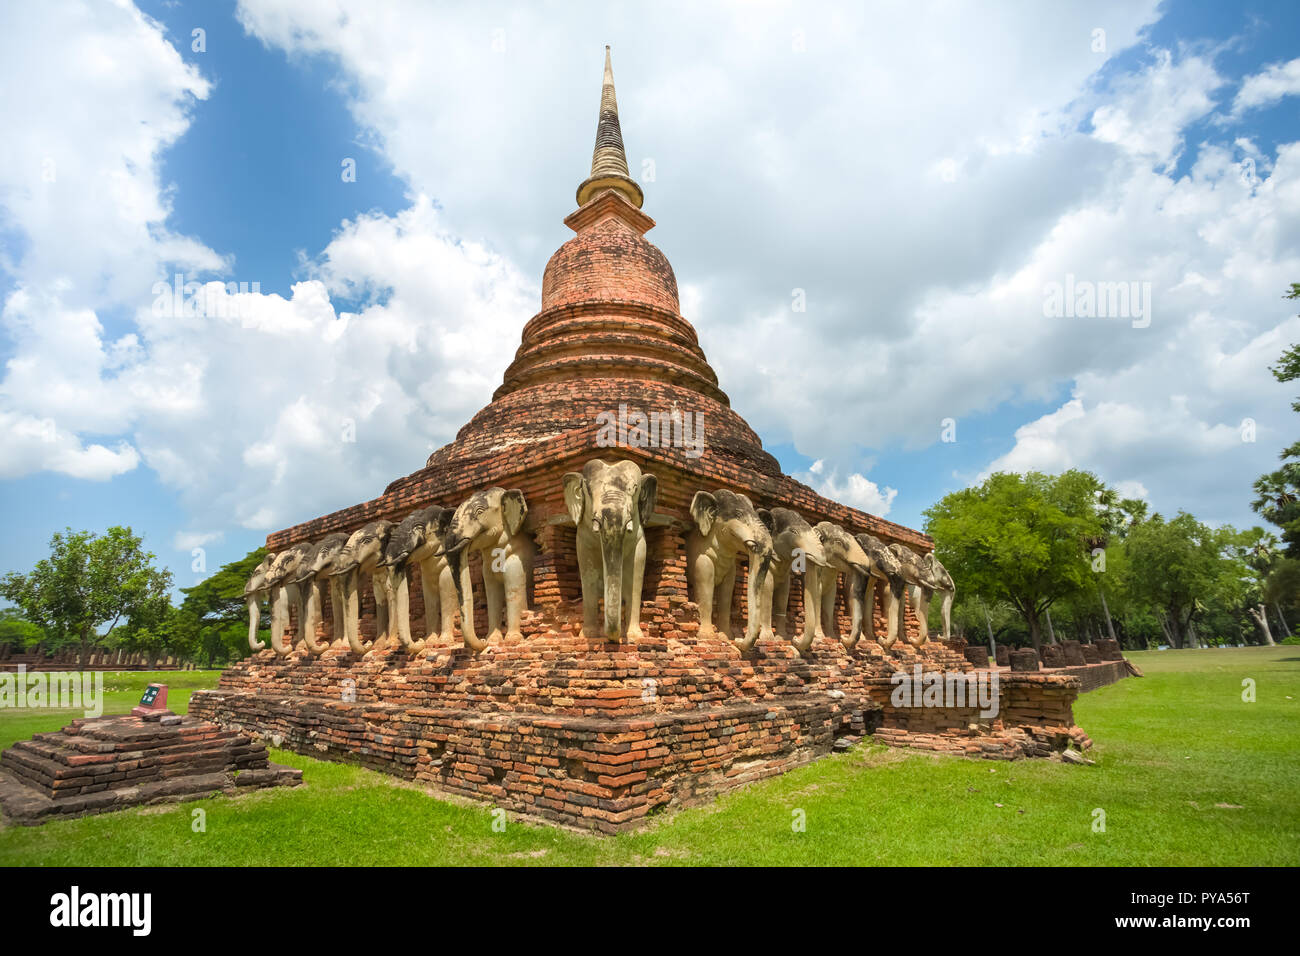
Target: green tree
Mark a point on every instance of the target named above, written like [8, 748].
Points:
[1277, 494]
[1022, 539]
[1182, 569]
[214, 612]
[18, 632]
[88, 582]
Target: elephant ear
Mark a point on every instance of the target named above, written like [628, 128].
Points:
[577, 495]
[765, 516]
[704, 509]
[646, 496]
[514, 509]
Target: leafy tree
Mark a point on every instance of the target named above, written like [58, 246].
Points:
[88, 582]
[1181, 568]
[1277, 494]
[18, 632]
[214, 611]
[1022, 539]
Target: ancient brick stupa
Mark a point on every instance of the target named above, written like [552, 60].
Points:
[560, 721]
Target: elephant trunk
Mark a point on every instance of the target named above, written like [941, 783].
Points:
[280, 603]
[311, 603]
[754, 596]
[612, 556]
[458, 565]
[254, 611]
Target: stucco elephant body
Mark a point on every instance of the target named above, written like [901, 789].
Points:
[285, 594]
[316, 573]
[362, 556]
[885, 569]
[257, 590]
[491, 524]
[610, 504]
[942, 584]
[726, 525]
[843, 554]
[421, 539]
[798, 550]
[919, 587]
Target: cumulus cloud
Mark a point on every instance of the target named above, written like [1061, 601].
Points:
[1267, 87]
[916, 181]
[856, 490]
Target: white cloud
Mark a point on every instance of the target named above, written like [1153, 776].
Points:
[921, 177]
[1267, 87]
[854, 490]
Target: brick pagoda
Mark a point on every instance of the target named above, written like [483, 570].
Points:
[576, 729]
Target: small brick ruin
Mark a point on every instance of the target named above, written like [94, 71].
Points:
[95, 765]
[582, 731]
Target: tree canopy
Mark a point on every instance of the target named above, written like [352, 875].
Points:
[88, 583]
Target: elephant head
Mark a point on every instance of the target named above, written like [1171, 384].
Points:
[320, 559]
[254, 591]
[727, 524]
[842, 550]
[364, 550]
[939, 578]
[420, 534]
[885, 567]
[491, 522]
[611, 504]
[315, 568]
[799, 550]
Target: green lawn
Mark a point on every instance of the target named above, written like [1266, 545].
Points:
[1187, 774]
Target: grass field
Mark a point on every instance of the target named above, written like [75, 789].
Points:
[1186, 772]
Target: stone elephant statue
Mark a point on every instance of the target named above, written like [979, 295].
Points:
[919, 585]
[843, 554]
[941, 583]
[726, 525]
[491, 523]
[282, 579]
[798, 550]
[257, 590]
[421, 539]
[610, 504]
[316, 573]
[888, 571]
[363, 556]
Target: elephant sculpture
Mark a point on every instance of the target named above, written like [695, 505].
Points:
[491, 523]
[888, 570]
[282, 579]
[919, 586]
[942, 583]
[610, 504]
[421, 539]
[798, 549]
[256, 590]
[726, 524]
[363, 555]
[843, 553]
[315, 575]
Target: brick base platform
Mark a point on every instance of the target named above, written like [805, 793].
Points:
[109, 763]
[601, 736]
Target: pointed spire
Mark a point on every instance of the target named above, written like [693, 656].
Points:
[608, 161]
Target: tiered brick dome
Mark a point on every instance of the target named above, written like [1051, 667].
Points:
[610, 333]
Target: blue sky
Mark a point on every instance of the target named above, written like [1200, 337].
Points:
[921, 180]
